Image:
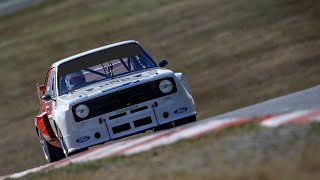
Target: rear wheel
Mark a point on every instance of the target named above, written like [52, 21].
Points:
[51, 153]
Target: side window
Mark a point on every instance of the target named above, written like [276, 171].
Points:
[53, 84]
[50, 86]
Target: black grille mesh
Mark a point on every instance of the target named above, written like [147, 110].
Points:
[124, 98]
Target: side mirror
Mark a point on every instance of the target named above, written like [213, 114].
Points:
[46, 97]
[163, 63]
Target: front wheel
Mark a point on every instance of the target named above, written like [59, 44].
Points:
[51, 153]
[63, 144]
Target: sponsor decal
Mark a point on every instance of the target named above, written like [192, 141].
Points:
[119, 86]
[120, 111]
[83, 139]
[181, 110]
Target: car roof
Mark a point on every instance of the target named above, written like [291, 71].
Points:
[56, 64]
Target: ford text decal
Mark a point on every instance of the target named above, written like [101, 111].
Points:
[83, 139]
[181, 110]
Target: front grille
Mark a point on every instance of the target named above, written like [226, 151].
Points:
[117, 116]
[139, 109]
[121, 128]
[142, 122]
[124, 98]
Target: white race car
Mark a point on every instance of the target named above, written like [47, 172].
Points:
[105, 94]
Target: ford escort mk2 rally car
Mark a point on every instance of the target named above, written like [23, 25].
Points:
[105, 94]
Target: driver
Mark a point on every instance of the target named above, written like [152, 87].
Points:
[74, 80]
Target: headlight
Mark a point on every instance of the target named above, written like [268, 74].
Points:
[166, 86]
[82, 111]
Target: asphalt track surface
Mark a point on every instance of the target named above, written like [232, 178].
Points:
[303, 100]
[9, 6]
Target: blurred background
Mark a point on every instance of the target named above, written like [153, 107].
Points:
[233, 53]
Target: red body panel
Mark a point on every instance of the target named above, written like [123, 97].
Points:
[41, 121]
[41, 125]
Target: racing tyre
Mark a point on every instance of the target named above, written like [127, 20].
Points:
[51, 153]
[64, 147]
[63, 144]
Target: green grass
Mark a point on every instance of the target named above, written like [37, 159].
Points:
[76, 168]
[234, 53]
[248, 151]
[106, 163]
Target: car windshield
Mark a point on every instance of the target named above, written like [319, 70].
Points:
[101, 65]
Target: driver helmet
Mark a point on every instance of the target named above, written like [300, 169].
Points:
[74, 79]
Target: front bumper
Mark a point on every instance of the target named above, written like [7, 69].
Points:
[133, 119]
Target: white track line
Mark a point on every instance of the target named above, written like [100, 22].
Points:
[282, 119]
[178, 135]
[294, 117]
[317, 119]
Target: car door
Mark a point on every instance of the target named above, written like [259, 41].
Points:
[46, 109]
[50, 89]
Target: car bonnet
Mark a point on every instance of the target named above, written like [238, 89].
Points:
[109, 86]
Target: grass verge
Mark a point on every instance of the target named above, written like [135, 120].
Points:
[248, 151]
